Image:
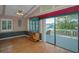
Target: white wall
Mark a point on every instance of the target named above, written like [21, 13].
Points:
[42, 29]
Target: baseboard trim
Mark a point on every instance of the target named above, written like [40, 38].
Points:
[13, 37]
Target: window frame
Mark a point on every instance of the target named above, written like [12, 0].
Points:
[34, 25]
[7, 30]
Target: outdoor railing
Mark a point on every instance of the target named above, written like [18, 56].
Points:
[67, 32]
[72, 33]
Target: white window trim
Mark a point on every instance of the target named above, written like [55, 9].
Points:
[7, 30]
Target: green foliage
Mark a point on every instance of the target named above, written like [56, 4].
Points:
[67, 22]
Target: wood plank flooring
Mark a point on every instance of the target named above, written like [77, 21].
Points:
[24, 45]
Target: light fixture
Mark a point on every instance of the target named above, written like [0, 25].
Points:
[20, 12]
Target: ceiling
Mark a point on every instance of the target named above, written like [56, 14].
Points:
[12, 9]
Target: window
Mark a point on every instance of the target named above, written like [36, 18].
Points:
[34, 25]
[37, 26]
[30, 25]
[6, 25]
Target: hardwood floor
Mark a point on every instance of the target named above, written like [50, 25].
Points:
[24, 45]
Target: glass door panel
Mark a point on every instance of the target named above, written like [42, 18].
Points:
[67, 32]
[33, 26]
[30, 25]
[37, 27]
[50, 30]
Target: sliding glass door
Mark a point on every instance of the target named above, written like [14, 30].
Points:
[63, 31]
[50, 30]
[67, 31]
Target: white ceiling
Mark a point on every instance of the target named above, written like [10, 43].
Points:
[28, 9]
[12, 9]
